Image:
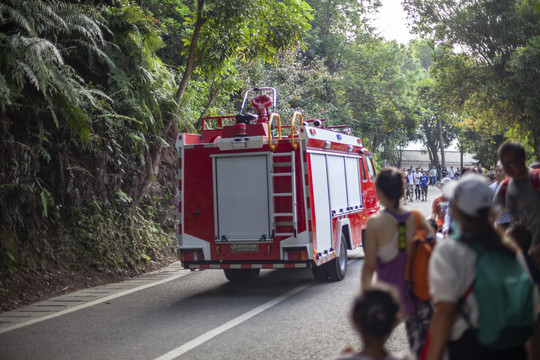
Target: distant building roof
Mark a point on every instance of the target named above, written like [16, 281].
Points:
[450, 157]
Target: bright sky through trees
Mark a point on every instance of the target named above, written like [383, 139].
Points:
[391, 22]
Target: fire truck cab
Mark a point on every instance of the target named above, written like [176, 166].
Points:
[257, 194]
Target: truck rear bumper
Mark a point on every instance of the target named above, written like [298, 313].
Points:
[282, 265]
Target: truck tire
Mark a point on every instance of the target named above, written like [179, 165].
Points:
[362, 247]
[320, 273]
[241, 275]
[337, 268]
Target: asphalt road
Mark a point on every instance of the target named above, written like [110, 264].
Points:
[178, 314]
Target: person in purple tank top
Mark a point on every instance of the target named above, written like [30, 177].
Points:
[384, 258]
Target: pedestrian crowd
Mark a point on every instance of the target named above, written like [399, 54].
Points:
[478, 254]
[417, 180]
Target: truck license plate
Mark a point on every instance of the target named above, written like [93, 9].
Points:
[244, 247]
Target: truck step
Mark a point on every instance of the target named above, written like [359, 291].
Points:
[284, 234]
[282, 174]
[282, 194]
[284, 223]
[282, 164]
[283, 214]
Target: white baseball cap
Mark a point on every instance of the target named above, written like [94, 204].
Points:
[470, 194]
[446, 181]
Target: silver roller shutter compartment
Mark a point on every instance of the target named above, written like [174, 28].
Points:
[242, 196]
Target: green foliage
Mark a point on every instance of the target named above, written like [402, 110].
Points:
[92, 97]
[299, 85]
[335, 26]
[84, 107]
[488, 81]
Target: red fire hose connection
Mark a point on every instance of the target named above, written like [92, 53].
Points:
[262, 103]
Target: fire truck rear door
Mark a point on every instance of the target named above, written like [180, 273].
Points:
[242, 203]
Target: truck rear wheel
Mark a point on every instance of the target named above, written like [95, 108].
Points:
[241, 275]
[337, 268]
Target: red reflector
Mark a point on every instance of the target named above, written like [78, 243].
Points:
[294, 255]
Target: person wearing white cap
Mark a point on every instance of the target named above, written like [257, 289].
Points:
[452, 271]
[439, 206]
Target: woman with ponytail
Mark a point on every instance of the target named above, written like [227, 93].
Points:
[384, 258]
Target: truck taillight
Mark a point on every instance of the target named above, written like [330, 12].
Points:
[191, 255]
[295, 255]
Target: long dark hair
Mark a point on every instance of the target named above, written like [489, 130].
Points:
[390, 182]
[481, 230]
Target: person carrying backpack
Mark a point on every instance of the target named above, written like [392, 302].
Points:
[486, 305]
[389, 235]
[519, 194]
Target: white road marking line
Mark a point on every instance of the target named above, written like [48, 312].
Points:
[104, 299]
[229, 325]
[92, 303]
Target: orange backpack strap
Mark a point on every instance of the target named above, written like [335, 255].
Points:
[418, 220]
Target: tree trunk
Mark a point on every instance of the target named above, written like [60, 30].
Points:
[432, 143]
[208, 104]
[536, 143]
[191, 64]
[461, 156]
[374, 144]
[441, 142]
[156, 150]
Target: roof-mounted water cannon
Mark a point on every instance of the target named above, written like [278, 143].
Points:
[261, 103]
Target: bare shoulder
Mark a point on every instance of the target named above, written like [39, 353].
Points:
[376, 220]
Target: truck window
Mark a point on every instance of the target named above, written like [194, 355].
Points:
[371, 169]
[362, 171]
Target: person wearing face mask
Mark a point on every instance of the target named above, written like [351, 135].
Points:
[452, 270]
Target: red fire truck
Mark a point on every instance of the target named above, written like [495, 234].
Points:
[256, 194]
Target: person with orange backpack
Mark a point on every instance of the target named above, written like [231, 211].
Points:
[397, 250]
[439, 206]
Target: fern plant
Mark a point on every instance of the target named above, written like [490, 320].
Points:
[83, 101]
